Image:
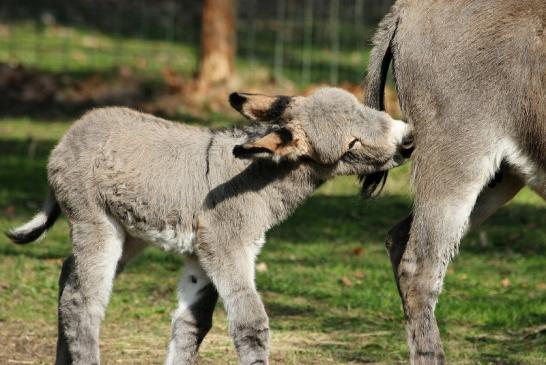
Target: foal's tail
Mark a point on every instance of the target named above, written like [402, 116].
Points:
[36, 227]
[378, 68]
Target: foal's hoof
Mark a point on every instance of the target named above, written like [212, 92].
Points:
[428, 358]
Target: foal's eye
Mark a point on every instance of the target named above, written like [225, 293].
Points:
[353, 142]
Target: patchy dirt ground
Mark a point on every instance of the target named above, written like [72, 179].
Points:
[34, 343]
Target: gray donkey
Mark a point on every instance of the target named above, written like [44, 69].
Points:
[471, 78]
[126, 179]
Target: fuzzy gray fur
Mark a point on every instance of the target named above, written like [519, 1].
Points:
[471, 80]
[126, 180]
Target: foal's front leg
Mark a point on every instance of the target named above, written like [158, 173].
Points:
[231, 269]
[193, 317]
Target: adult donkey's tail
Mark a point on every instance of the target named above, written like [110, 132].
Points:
[378, 68]
[380, 60]
[36, 227]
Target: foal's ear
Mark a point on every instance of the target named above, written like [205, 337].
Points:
[259, 107]
[274, 145]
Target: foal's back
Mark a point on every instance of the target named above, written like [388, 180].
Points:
[138, 168]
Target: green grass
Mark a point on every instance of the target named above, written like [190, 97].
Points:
[491, 310]
[80, 51]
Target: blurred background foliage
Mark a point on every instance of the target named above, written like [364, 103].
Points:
[61, 57]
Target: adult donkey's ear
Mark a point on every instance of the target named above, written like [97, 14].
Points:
[259, 107]
[275, 145]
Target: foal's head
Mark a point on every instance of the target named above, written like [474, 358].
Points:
[330, 127]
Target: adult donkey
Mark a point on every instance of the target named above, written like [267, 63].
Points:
[471, 78]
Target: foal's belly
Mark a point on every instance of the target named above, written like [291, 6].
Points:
[174, 239]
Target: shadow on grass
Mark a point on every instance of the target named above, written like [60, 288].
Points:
[357, 353]
[517, 228]
[276, 309]
[501, 349]
[23, 177]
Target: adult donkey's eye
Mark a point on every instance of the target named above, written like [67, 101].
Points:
[353, 143]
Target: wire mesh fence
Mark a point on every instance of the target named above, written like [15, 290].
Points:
[304, 41]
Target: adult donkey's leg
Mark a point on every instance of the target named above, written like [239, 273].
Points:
[493, 197]
[193, 317]
[447, 188]
[85, 286]
[489, 200]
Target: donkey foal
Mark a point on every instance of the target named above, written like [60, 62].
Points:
[125, 180]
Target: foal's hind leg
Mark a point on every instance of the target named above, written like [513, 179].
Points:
[193, 317]
[419, 270]
[63, 355]
[85, 287]
[131, 248]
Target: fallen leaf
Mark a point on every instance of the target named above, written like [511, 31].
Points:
[54, 261]
[358, 251]
[358, 274]
[9, 212]
[261, 267]
[346, 281]
[505, 282]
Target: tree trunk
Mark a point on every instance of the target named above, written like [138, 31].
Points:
[217, 59]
